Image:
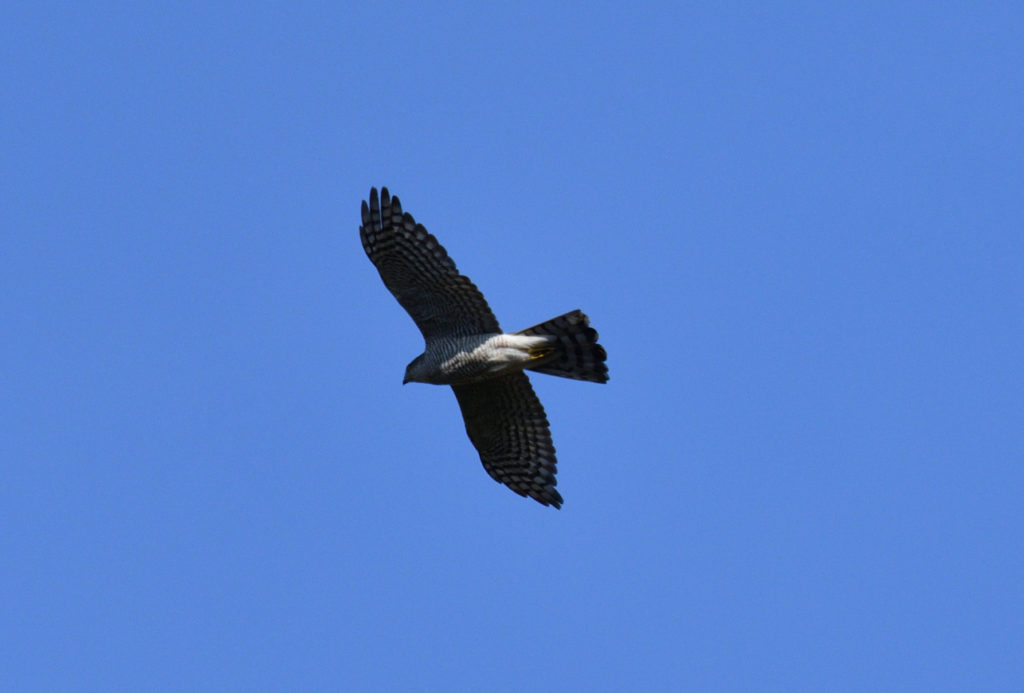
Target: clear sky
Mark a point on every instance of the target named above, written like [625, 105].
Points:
[798, 228]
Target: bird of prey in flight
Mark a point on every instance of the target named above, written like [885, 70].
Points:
[466, 349]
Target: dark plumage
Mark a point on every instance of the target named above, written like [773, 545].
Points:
[465, 348]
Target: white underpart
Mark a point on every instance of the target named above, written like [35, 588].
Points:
[502, 352]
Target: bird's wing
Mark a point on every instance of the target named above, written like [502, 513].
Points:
[507, 425]
[418, 271]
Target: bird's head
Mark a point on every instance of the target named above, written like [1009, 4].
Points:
[416, 371]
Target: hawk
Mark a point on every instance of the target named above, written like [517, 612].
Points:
[466, 349]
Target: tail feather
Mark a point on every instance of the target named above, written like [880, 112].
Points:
[576, 353]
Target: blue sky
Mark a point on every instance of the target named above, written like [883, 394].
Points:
[798, 230]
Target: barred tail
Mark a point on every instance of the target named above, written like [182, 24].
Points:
[576, 351]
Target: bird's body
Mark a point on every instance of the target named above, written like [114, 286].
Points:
[470, 359]
[466, 348]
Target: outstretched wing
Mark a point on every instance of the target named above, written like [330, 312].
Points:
[507, 425]
[418, 271]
